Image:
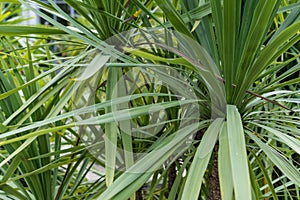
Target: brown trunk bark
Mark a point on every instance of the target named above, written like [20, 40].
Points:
[214, 184]
[171, 178]
[139, 194]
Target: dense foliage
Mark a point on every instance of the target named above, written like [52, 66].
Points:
[150, 99]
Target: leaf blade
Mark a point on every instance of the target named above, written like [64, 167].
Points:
[238, 155]
[201, 160]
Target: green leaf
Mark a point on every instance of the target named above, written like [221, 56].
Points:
[98, 62]
[9, 172]
[9, 1]
[231, 23]
[293, 7]
[30, 136]
[179, 179]
[42, 169]
[12, 191]
[224, 165]
[199, 165]
[254, 37]
[143, 54]
[292, 142]
[266, 175]
[17, 151]
[84, 110]
[279, 160]
[274, 49]
[238, 154]
[10, 30]
[111, 129]
[173, 16]
[141, 170]
[3, 128]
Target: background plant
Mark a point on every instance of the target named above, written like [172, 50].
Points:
[250, 152]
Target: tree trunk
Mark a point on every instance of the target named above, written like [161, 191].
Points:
[214, 184]
[171, 178]
[139, 194]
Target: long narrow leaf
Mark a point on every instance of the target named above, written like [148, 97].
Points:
[238, 155]
[279, 160]
[224, 165]
[199, 165]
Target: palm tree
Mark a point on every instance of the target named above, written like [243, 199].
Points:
[224, 79]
